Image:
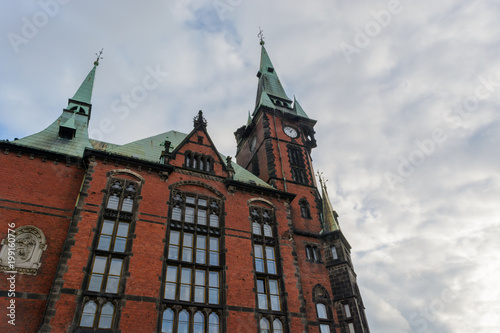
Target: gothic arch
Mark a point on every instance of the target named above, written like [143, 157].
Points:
[199, 184]
[253, 201]
[320, 293]
[118, 172]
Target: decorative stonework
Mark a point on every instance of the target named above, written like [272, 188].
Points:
[29, 245]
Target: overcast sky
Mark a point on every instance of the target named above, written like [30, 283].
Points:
[404, 92]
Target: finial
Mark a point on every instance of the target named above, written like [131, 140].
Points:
[322, 181]
[200, 120]
[261, 36]
[96, 63]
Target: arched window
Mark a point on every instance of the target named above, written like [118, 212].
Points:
[92, 310]
[88, 314]
[183, 325]
[106, 318]
[213, 323]
[198, 323]
[321, 309]
[277, 326]
[304, 208]
[321, 298]
[264, 325]
[198, 161]
[267, 230]
[208, 166]
[195, 161]
[113, 201]
[167, 325]
[256, 228]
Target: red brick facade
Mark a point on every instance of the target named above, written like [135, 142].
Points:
[241, 252]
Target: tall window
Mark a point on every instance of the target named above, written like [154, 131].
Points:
[268, 279]
[333, 250]
[193, 265]
[313, 253]
[112, 246]
[322, 315]
[297, 164]
[321, 299]
[305, 212]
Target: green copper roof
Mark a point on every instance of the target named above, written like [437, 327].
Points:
[84, 93]
[70, 123]
[150, 149]
[249, 120]
[49, 139]
[74, 117]
[298, 109]
[270, 92]
[330, 222]
[265, 101]
[269, 83]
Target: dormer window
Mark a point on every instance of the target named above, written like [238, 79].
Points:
[67, 133]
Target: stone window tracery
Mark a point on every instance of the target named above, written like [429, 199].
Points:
[193, 275]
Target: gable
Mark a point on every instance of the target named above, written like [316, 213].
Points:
[197, 152]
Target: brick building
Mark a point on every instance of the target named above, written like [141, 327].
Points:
[165, 234]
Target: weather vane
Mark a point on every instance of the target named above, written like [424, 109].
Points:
[98, 57]
[261, 36]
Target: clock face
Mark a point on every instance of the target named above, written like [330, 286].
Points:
[253, 143]
[291, 132]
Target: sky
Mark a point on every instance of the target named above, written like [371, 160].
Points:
[404, 93]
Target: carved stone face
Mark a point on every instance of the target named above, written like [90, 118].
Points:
[25, 246]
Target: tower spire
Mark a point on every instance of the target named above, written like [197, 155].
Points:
[84, 93]
[330, 222]
[269, 85]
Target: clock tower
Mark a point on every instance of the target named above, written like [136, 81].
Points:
[276, 145]
[276, 142]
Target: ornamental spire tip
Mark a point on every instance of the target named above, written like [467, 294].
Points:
[96, 63]
[261, 36]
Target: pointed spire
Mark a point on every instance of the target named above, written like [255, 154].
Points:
[298, 109]
[269, 83]
[249, 120]
[84, 93]
[330, 222]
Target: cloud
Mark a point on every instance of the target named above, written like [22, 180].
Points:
[431, 236]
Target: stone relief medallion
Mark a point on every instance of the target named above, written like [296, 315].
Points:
[25, 246]
[29, 244]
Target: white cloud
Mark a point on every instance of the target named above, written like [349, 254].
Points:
[435, 231]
